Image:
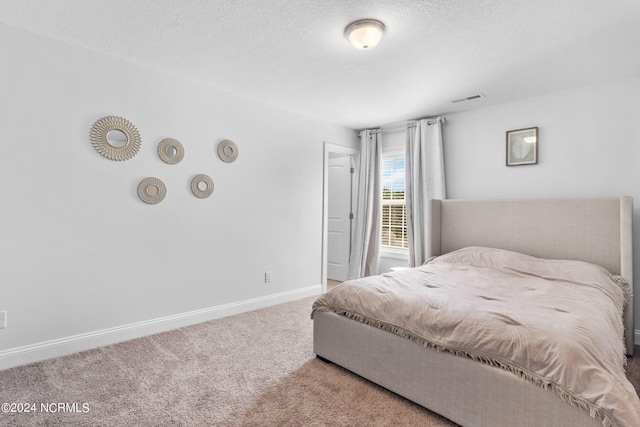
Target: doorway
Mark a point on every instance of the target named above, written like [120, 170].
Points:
[337, 207]
[339, 215]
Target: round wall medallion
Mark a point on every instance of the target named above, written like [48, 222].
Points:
[152, 190]
[115, 138]
[228, 150]
[170, 151]
[202, 186]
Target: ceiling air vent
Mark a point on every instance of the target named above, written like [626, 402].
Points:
[468, 98]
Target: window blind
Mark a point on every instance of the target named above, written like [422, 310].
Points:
[394, 212]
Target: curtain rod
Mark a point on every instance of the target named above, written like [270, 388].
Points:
[407, 124]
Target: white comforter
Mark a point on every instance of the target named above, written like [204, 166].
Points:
[557, 324]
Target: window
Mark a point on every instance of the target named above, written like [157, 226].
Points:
[394, 212]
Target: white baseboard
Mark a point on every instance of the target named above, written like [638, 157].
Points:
[63, 346]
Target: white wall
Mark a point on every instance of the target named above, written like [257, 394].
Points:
[589, 145]
[81, 254]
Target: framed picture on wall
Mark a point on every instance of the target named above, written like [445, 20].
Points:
[522, 147]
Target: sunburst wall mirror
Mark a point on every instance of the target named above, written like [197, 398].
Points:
[227, 151]
[170, 151]
[152, 190]
[115, 138]
[202, 186]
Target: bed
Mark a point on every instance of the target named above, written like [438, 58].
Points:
[469, 390]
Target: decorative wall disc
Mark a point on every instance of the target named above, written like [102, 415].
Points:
[152, 190]
[115, 138]
[202, 186]
[170, 151]
[228, 150]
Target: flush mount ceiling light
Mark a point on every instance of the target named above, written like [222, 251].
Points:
[365, 33]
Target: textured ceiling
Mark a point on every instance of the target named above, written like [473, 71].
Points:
[293, 54]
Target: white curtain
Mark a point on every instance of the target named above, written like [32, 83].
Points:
[363, 260]
[424, 180]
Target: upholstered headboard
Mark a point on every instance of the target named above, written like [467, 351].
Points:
[596, 230]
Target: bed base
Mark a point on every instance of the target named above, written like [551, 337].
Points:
[462, 390]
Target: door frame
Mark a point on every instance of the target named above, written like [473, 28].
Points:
[336, 149]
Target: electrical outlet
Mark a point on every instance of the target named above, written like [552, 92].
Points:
[267, 277]
[3, 319]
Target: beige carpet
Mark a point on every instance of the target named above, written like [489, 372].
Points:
[332, 283]
[254, 369]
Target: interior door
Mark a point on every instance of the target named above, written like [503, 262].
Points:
[339, 217]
